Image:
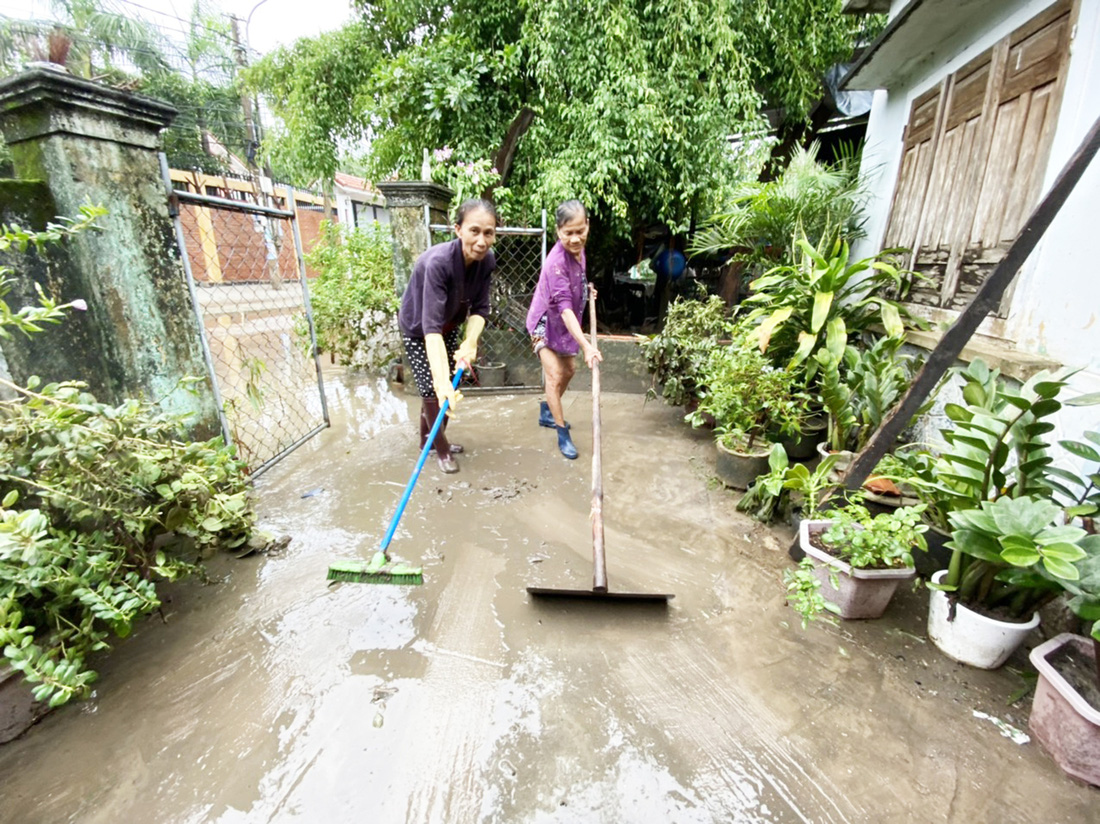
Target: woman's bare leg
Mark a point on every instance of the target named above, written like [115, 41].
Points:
[559, 370]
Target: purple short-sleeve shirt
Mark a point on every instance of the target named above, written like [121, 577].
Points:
[562, 285]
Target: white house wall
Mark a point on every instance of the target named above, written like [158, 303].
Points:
[1055, 309]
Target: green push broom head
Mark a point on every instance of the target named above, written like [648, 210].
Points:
[379, 570]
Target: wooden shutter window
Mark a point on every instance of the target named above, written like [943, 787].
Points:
[989, 148]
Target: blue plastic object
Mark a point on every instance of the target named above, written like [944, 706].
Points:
[428, 443]
[670, 263]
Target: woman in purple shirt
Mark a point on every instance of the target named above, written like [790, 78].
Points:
[554, 317]
[449, 286]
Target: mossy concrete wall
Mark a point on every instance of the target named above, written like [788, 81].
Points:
[94, 144]
[405, 201]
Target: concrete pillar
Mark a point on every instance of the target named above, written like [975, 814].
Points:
[91, 143]
[406, 200]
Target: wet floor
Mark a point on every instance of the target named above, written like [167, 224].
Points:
[273, 697]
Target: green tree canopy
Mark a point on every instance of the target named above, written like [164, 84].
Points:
[629, 105]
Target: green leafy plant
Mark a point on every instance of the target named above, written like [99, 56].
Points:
[767, 499]
[995, 445]
[861, 388]
[883, 541]
[1011, 510]
[678, 353]
[786, 486]
[635, 123]
[820, 302]
[99, 503]
[1083, 493]
[29, 319]
[747, 396]
[804, 593]
[1012, 555]
[811, 199]
[354, 302]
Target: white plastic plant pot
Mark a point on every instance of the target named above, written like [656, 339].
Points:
[973, 639]
[860, 593]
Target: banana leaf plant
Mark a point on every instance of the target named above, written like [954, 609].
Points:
[825, 299]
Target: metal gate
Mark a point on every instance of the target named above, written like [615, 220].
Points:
[520, 253]
[247, 277]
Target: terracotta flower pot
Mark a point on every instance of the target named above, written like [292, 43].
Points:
[861, 593]
[972, 638]
[1062, 721]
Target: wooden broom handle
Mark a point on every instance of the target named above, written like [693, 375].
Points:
[599, 561]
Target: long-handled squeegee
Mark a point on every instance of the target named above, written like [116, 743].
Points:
[599, 589]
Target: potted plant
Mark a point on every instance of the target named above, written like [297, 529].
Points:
[808, 197]
[823, 301]
[1010, 557]
[1065, 712]
[995, 487]
[746, 396]
[859, 388]
[677, 354]
[861, 558]
[785, 487]
[490, 373]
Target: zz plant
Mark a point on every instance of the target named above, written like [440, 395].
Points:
[1015, 544]
[98, 503]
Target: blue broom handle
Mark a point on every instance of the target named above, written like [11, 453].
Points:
[419, 465]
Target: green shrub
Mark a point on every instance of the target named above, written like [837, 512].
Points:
[678, 353]
[98, 503]
[354, 302]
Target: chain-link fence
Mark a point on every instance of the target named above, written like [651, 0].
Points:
[244, 267]
[520, 253]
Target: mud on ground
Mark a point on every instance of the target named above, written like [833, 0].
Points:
[272, 696]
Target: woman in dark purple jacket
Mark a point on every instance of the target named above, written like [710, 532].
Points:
[449, 286]
[554, 319]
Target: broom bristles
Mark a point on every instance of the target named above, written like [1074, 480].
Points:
[378, 571]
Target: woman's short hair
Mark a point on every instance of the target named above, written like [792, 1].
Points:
[474, 204]
[569, 210]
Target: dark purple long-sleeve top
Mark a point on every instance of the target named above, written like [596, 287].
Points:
[561, 286]
[442, 292]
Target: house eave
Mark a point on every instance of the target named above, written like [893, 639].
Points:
[924, 34]
[866, 6]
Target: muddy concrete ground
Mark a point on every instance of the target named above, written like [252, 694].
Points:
[272, 696]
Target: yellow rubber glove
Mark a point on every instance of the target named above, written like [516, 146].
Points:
[441, 374]
[466, 353]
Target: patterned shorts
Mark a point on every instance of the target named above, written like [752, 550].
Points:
[417, 354]
[538, 337]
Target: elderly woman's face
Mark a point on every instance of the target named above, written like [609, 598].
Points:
[478, 232]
